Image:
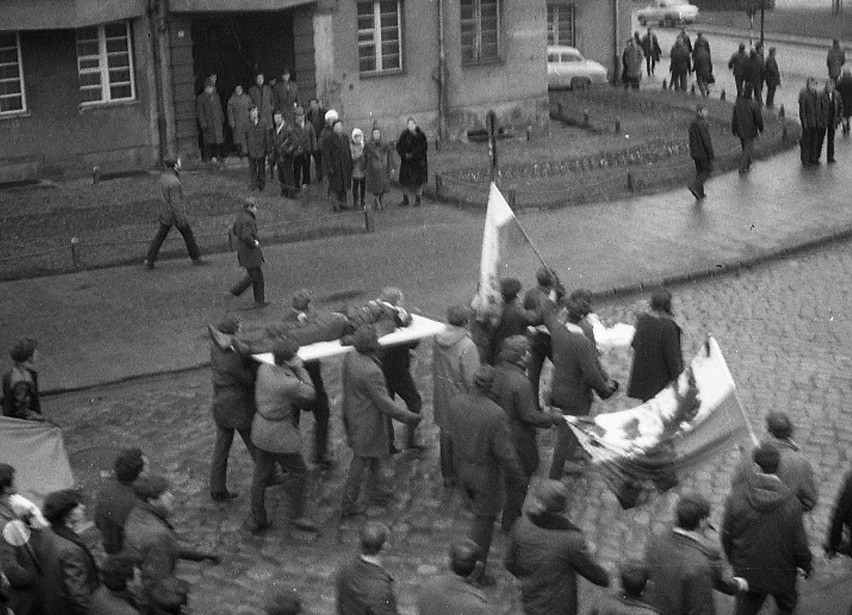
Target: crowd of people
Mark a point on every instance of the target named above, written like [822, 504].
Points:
[489, 402]
[279, 137]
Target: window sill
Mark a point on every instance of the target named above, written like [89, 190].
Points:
[488, 62]
[15, 115]
[383, 73]
[95, 106]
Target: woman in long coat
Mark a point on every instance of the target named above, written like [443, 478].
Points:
[413, 166]
[377, 154]
[238, 117]
[657, 356]
[211, 118]
[337, 164]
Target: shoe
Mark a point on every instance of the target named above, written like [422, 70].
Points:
[148, 265]
[255, 528]
[832, 161]
[349, 512]
[304, 524]
[260, 304]
[224, 496]
[199, 262]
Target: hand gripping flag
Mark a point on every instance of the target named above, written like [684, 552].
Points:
[690, 421]
[499, 214]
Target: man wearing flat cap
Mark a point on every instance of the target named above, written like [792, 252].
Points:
[366, 407]
[249, 254]
[482, 450]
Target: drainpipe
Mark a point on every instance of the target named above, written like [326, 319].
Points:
[158, 99]
[442, 76]
[615, 38]
[157, 11]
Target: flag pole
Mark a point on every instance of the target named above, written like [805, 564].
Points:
[532, 245]
[740, 405]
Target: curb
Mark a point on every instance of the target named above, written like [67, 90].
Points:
[620, 291]
[790, 39]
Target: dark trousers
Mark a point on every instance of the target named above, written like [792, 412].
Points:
[219, 464]
[318, 164]
[484, 513]
[257, 173]
[285, 177]
[805, 145]
[340, 197]
[378, 469]
[188, 238]
[400, 382]
[320, 410]
[816, 143]
[739, 80]
[565, 448]
[650, 64]
[829, 143]
[302, 171]
[750, 602]
[359, 190]
[678, 81]
[747, 146]
[757, 92]
[703, 169]
[253, 278]
[516, 493]
[770, 95]
[296, 474]
[448, 468]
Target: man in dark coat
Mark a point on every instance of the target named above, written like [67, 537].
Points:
[746, 124]
[685, 566]
[366, 404]
[738, 64]
[455, 593]
[414, 166]
[306, 138]
[337, 162]
[835, 59]
[702, 64]
[841, 518]
[174, 214]
[755, 78]
[116, 498]
[514, 318]
[634, 577]
[772, 75]
[263, 98]
[844, 87]
[809, 111]
[651, 50]
[482, 449]
[285, 142]
[363, 585]
[701, 151]
[315, 116]
[546, 553]
[68, 571]
[657, 356]
[233, 402]
[764, 536]
[249, 254]
[680, 65]
[577, 375]
[115, 597]
[18, 564]
[285, 95]
[833, 114]
[20, 384]
[258, 139]
[822, 115]
[211, 120]
[514, 393]
[548, 287]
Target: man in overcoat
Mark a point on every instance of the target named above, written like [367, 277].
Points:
[772, 76]
[306, 137]
[738, 64]
[657, 355]
[174, 214]
[764, 537]
[455, 593]
[232, 405]
[211, 120]
[482, 450]
[238, 117]
[337, 161]
[680, 65]
[652, 51]
[366, 404]
[809, 112]
[414, 167]
[285, 142]
[249, 254]
[258, 140]
[116, 498]
[513, 320]
[835, 59]
[263, 98]
[546, 553]
[701, 151]
[363, 585]
[833, 104]
[547, 286]
[755, 76]
[285, 95]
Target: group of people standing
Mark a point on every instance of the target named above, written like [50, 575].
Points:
[684, 59]
[821, 112]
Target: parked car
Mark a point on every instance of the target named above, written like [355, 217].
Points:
[567, 68]
[668, 13]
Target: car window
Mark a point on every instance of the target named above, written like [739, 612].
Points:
[553, 57]
[572, 57]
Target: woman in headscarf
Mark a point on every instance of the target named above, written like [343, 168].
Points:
[377, 157]
[359, 181]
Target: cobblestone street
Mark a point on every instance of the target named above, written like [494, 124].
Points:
[785, 330]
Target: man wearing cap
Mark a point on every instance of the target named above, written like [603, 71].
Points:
[116, 498]
[233, 402]
[794, 469]
[279, 388]
[455, 593]
[482, 450]
[764, 536]
[174, 214]
[366, 407]
[684, 564]
[546, 552]
[454, 363]
[249, 254]
[513, 391]
[150, 537]
[306, 138]
[363, 585]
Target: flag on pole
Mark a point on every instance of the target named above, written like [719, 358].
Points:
[496, 217]
[649, 446]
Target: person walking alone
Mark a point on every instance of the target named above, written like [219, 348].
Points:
[772, 76]
[174, 215]
[652, 51]
[701, 151]
[746, 124]
[249, 254]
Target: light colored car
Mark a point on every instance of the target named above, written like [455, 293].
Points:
[567, 68]
[668, 13]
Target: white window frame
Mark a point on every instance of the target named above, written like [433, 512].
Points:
[555, 28]
[477, 25]
[103, 68]
[23, 93]
[376, 42]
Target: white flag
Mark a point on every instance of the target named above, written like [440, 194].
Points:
[498, 215]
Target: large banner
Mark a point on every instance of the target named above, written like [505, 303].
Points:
[488, 290]
[37, 452]
[684, 425]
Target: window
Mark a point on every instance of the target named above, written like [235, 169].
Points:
[379, 36]
[12, 96]
[480, 31]
[560, 24]
[105, 63]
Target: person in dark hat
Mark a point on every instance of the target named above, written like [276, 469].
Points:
[513, 320]
[546, 552]
[275, 435]
[482, 450]
[366, 407]
[684, 563]
[249, 254]
[174, 214]
[306, 137]
[633, 575]
[456, 592]
[414, 166]
[20, 384]
[116, 498]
